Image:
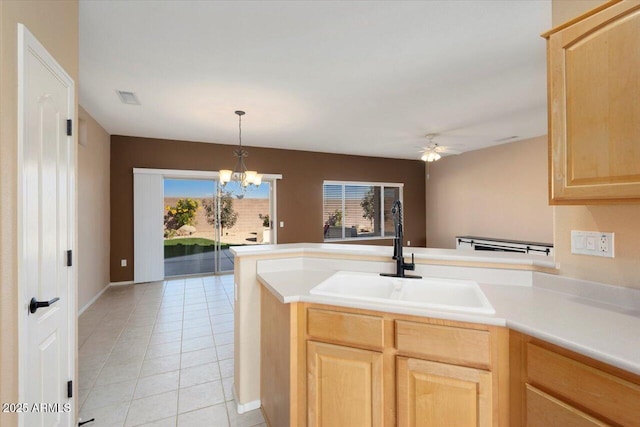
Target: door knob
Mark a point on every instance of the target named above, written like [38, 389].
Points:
[34, 305]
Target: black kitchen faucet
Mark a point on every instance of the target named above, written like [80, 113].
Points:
[401, 266]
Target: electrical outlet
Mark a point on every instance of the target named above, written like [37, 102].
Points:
[281, 224]
[123, 263]
[604, 243]
[592, 243]
[605, 246]
[408, 242]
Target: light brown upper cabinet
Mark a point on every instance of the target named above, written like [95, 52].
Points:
[593, 66]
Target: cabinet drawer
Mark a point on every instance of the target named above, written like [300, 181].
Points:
[612, 397]
[444, 343]
[346, 328]
[546, 411]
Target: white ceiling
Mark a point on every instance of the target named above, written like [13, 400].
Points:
[367, 78]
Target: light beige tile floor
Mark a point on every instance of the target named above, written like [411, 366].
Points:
[160, 354]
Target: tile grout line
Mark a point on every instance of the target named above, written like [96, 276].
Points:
[180, 358]
[137, 379]
[146, 348]
[93, 384]
[217, 288]
[215, 348]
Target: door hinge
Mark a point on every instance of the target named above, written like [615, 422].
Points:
[69, 258]
[69, 389]
[69, 127]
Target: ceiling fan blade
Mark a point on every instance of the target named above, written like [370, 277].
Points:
[447, 150]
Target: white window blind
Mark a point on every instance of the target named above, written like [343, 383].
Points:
[148, 218]
[357, 210]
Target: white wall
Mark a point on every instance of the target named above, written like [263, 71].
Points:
[93, 208]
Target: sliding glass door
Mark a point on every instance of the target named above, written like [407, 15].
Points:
[202, 220]
[244, 218]
[189, 231]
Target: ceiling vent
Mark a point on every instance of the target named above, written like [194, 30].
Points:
[128, 97]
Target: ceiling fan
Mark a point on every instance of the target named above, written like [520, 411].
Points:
[434, 152]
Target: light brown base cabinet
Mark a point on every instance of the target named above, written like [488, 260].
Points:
[326, 366]
[554, 387]
[357, 368]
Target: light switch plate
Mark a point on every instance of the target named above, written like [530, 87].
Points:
[594, 243]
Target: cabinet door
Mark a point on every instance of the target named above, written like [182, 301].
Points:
[611, 397]
[546, 411]
[432, 394]
[344, 386]
[594, 87]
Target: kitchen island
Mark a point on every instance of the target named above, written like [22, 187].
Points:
[590, 319]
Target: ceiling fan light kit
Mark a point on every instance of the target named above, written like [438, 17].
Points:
[430, 156]
[430, 153]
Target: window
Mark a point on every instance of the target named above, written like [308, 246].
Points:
[358, 210]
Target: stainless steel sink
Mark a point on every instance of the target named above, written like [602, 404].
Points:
[431, 293]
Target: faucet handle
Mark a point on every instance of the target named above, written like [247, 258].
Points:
[412, 265]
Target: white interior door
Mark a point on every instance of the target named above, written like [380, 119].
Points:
[47, 166]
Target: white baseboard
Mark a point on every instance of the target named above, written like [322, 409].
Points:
[129, 282]
[245, 407]
[94, 299]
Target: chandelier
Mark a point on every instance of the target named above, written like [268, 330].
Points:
[240, 174]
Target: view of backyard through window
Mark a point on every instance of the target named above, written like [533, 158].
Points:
[358, 210]
[192, 244]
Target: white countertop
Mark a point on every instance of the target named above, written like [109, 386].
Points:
[387, 251]
[602, 331]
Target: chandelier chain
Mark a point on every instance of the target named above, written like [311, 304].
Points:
[240, 130]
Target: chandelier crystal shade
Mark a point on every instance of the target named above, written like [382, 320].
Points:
[240, 173]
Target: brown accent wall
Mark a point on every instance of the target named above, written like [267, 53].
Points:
[299, 201]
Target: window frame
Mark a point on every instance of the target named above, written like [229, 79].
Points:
[382, 186]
